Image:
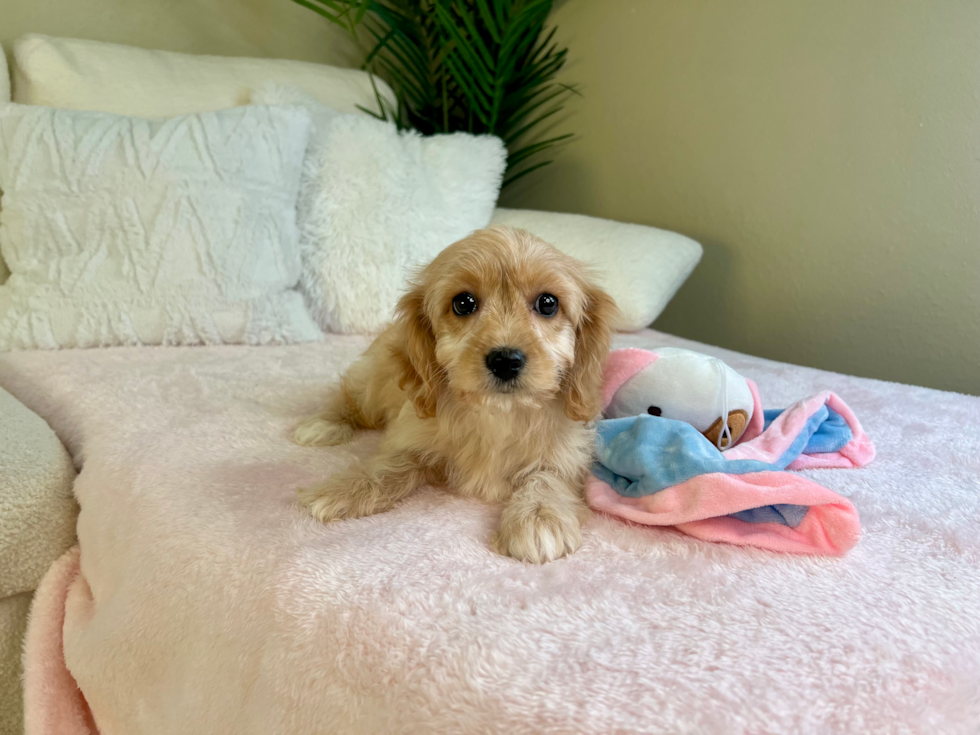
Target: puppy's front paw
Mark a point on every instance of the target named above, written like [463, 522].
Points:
[541, 535]
[318, 432]
[330, 502]
[353, 493]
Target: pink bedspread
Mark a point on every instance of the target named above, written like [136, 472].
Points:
[208, 603]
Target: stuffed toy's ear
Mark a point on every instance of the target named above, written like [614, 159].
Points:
[758, 421]
[619, 367]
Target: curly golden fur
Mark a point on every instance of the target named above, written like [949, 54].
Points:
[450, 420]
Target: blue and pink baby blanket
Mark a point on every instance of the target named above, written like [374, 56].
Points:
[661, 472]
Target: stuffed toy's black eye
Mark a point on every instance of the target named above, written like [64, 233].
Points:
[654, 410]
[546, 305]
[464, 304]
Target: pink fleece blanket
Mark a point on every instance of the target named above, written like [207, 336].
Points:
[206, 602]
[662, 472]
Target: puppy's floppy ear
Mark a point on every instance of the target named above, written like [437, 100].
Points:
[582, 385]
[421, 376]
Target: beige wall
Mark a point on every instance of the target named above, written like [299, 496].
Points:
[270, 28]
[825, 152]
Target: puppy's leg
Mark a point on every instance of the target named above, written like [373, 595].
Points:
[335, 424]
[368, 397]
[364, 490]
[542, 520]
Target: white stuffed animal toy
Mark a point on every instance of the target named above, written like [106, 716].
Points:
[682, 385]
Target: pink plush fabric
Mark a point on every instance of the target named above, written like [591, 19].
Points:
[758, 420]
[769, 445]
[52, 702]
[207, 601]
[700, 507]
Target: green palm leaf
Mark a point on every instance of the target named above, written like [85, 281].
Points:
[486, 66]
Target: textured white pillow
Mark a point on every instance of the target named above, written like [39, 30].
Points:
[377, 202]
[119, 230]
[92, 75]
[641, 267]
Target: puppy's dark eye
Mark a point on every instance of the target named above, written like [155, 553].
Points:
[654, 410]
[546, 305]
[464, 304]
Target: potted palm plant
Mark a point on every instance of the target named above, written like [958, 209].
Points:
[481, 66]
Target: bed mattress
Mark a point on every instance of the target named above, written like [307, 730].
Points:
[204, 600]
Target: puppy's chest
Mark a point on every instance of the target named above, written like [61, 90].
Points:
[487, 455]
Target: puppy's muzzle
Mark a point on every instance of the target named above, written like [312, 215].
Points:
[505, 363]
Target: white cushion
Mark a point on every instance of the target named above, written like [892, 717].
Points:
[92, 75]
[119, 230]
[37, 508]
[641, 267]
[377, 202]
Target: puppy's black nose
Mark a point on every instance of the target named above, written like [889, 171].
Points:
[505, 363]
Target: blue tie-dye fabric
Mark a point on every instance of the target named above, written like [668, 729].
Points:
[642, 455]
[782, 513]
[831, 436]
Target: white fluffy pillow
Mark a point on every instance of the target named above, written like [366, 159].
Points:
[377, 202]
[119, 230]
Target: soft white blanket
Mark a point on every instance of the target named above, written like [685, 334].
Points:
[208, 602]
